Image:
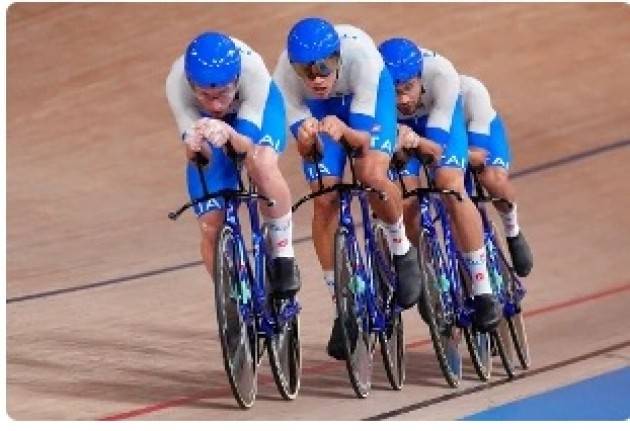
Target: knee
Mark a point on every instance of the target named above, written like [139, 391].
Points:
[495, 177]
[452, 179]
[325, 206]
[263, 164]
[372, 177]
[209, 230]
[410, 209]
[372, 169]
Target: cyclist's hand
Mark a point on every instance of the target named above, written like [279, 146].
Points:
[477, 157]
[306, 137]
[400, 158]
[333, 126]
[193, 139]
[216, 132]
[427, 146]
[407, 138]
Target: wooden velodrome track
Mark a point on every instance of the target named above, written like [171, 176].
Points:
[109, 312]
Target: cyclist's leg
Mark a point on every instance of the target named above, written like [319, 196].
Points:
[372, 170]
[326, 207]
[466, 221]
[262, 167]
[496, 180]
[218, 174]
[324, 225]
[209, 225]
[411, 216]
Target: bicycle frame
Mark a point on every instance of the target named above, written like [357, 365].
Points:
[250, 283]
[432, 209]
[362, 263]
[495, 255]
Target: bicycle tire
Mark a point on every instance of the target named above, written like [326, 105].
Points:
[516, 323]
[285, 358]
[501, 351]
[358, 342]
[478, 343]
[239, 340]
[443, 336]
[392, 339]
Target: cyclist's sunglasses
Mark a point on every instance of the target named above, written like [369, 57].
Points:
[317, 69]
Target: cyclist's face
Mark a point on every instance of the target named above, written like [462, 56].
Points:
[320, 87]
[216, 100]
[319, 77]
[408, 96]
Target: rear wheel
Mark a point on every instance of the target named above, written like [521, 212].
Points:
[479, 343]
[445, 336]
[392, 342]
[283, 347]
[479, 347]
[392, 339]
[514, 317]
[499, 345]
[285, 357]
[518, 334]
[350, 291]
[238, 335]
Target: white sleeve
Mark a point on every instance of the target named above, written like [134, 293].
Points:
[365, 78]
[478, 106]
[254, 88]
[180, 97]
[445, 88]
[291, 88]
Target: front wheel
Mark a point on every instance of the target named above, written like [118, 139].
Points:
[238, 335]
[350, 291]
[445, 336]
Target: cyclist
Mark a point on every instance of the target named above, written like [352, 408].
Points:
[335, 85]
[429, 104]
[220, 92]
[488, 146]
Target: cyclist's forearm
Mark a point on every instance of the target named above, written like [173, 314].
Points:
[205, 151]
[242, 144]
[357, 138]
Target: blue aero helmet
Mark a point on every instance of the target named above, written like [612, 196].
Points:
[403, 59]
[212, 60]
[311, 40]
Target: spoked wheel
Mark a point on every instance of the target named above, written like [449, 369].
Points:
[351, 309]
[518, 334]
[480, 349]
[285, 357]
[499, 345]
[514, 333]
[392, 343]
[392, 340]
[283, 347]
[239, 337]
[479, 343]
[445, 336]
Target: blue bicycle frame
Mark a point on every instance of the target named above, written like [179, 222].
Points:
[251, 284]
[363, 264]
[432, 209]
[510, 302]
